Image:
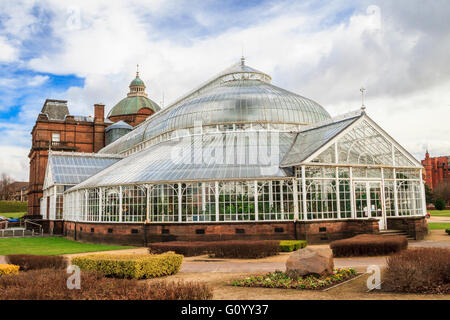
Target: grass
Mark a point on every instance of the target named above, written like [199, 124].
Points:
[50, 246]
[440, 213]
[12, 206]
[13, 215]
[438, 225]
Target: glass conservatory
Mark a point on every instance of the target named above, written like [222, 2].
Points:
[239, 149]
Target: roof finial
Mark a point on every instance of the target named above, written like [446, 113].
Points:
[363, 90]
[137, 71]
[242, 60]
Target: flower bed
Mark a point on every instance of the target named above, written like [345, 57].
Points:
[136, 266]
[9, 269]
[368, 245]
[280, 280]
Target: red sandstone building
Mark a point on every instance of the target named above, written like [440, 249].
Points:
[436, 170]
[56, 129]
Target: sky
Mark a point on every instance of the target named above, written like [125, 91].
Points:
[86, 52]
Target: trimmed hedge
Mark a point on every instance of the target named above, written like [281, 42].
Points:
[32, 262]
[48, 284]
[368, 245]
[136, 266]
[8, 269]
[448, 231]
[220, 249]
[292, 245]
[187, 249]
[421, 270]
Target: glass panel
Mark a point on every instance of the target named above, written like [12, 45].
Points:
[361, 208]
[364, 145]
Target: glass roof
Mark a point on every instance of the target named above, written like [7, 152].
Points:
[239, 94]
[307, 142]
[71, 169]
[228, 155]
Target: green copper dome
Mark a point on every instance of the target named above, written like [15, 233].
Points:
[131, 105]
[137, 82]
[136, 100]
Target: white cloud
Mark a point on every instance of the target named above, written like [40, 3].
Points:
[14, 162]
[7, 52]
[398, 50]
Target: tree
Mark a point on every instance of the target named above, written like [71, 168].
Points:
[429, 196]
[439, 204]
[5, 186]
[442, 191]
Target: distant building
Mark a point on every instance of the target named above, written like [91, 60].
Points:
[436, 170]
[18, 191]
[57, 130]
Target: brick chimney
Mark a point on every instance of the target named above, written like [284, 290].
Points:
[99, 113]
[99, 127]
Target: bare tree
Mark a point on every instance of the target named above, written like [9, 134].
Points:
[442, 191]
[5, 186]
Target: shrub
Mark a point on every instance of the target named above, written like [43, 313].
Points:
[48, 284]
[368, 245]
[424, 270]
[32, 262]
[244, 249]
[187, 249]
[292, 245]
[439, 204]
[220, 249]
[8, 269]
[137, 266]
[448, 231]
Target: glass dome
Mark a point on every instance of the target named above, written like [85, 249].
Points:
[240, 94]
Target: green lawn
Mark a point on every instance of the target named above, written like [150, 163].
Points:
[436, 225]
[50, 246]
[12, 206]
[440, 213]
[13, 215]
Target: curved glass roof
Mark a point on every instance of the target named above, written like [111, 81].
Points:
[240, 94]
[215, 156]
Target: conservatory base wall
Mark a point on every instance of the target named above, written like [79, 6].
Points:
[416, 227]
[142, 234]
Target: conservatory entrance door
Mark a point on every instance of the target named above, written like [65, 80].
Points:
[369, 201]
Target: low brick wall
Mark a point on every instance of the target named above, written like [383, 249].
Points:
[326, 231]
[416, 227]
[142, 234]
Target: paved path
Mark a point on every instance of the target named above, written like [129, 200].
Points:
[2, 260]
[430, 244]
[229, 266]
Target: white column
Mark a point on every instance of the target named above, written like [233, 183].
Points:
[352, 194]
[180, 200]
[216, 196]
[147, 217]
[54, 204]
[203, 197]
[395, 193]
[295, 197]
[86, 197]
[281, 199]
[100, 204]
[338, 201]
[256, 200]
[120, 204]
[422, 194]
[305, 213]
